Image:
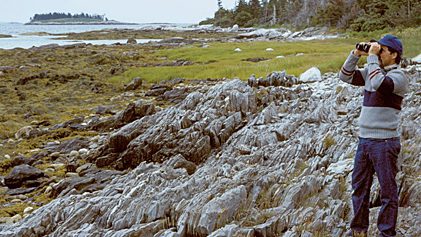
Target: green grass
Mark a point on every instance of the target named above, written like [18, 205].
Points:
[220, 61]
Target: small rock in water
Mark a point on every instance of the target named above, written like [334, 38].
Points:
[131, 41]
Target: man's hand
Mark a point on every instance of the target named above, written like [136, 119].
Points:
[359, 53]
[374, 49]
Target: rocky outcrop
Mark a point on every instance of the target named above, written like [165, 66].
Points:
[236, 160]
[134, 84]
[23, 175]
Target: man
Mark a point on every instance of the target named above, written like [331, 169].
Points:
[385, 86]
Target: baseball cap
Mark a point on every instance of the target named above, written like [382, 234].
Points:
[392, 42]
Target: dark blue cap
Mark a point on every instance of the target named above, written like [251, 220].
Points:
[392, 42]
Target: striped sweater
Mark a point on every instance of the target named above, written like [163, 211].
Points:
[384, 90]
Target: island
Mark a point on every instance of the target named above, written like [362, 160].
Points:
[73, 19]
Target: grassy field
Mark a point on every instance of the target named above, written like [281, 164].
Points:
[220, 60]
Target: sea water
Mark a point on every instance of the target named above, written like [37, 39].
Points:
[24, 36]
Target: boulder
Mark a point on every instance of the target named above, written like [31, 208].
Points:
[311, 75]
[134, 84]
[417, 59]
[235, 28]
[20, 174]
[27, 132]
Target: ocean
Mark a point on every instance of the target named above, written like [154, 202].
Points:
[21, 39]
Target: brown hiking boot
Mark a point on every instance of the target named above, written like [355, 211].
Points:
[356, 233]
[359, 234]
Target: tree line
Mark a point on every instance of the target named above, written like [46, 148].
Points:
[358, 15]
[56, 15]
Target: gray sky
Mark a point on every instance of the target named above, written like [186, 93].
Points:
[141, 11]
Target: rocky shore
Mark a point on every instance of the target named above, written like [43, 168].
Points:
[268, 157]
[81, 155]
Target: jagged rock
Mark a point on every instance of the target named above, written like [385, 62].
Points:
[21, 174]
[70, 145]
[132, 112]
[270, 161]
[179, 161]
[27, 132]
[104, 110]
[267, 33]
[134, 84]
[175, 95]
[157, 90]
[74, 123]
[221, 210]
[92, 180]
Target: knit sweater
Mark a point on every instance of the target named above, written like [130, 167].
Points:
[384, 90]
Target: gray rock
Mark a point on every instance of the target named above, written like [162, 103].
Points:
[131, 41]
[134, 84]
[311, 75]
[270, 161]
[417, 59]
[21, 174]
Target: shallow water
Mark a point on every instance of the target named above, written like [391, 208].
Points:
[20, 38]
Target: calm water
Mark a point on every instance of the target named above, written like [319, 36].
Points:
[27, 41]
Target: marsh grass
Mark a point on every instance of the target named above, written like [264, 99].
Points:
[220, 60]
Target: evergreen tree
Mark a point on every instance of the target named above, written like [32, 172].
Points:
[220, 4]
[255, 9]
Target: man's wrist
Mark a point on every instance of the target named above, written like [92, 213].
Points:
[355, 53]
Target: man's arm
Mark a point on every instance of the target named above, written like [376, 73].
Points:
[392, 82]
[349, 72]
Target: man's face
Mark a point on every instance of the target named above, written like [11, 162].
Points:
[386, 57]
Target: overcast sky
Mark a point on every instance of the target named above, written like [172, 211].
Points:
[139, 11]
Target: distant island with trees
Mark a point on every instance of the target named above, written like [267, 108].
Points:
[73, 19]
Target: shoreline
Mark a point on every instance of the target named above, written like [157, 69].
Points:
[81, 23]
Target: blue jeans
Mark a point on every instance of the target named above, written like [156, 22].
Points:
[379, 156]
